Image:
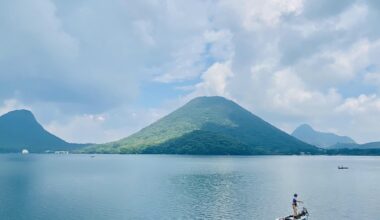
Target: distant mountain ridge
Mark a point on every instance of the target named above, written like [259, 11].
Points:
[371, 145]
[19, 129]
[208, 125]
[320, 139]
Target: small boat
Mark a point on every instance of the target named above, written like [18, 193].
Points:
[24, 151]
[304, 215]
[342, 168]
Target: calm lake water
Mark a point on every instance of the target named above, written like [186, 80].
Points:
[110, 187]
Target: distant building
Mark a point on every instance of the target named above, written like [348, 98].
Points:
[61, 152]
[24, 151]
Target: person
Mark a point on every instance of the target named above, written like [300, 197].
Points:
[295, 205]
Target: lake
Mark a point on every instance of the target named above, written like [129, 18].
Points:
[68, 187]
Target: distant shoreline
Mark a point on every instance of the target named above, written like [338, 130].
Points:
[350, 152]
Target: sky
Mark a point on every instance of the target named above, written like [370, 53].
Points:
[96, 71]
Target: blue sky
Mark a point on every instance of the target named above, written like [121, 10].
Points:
[96, 71]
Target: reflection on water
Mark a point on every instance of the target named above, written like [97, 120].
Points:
[205, 195]
[68, 187]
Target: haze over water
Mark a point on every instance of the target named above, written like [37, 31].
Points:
[68, 187]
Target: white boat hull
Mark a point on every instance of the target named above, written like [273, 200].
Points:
[292, 218]
[304, 215]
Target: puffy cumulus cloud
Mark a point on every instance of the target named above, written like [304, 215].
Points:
[281, 96]
[33, 27]
[10, 105]
[334, 66]
[90, 127]
[298, 65]
[363, 104]
[104, 127]
[74, 58]
[288, 92]
[195, 55]
[359, 116]
[45, 58]
[94, 54]
[351, 18]
[288, 61]
[254, 14]
[214, 81]
[219, 45]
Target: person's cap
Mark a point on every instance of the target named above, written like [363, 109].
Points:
[295, 195]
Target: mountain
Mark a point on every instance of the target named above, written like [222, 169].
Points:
[19, 129]
[211, 126]
[321, 139]
[371, 145]
[353, 152]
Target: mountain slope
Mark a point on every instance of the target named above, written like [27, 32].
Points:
[19, 129]
[371, 145]
[208, 125]
[321, 139]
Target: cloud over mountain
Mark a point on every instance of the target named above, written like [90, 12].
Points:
[289, 61]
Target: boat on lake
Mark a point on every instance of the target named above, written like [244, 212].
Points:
[304, 215]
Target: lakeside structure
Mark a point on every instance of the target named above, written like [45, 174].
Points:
[61, 152]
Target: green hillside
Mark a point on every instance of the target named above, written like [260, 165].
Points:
[208, 125]
[19, 129]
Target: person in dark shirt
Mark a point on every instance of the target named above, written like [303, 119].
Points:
[295, 204]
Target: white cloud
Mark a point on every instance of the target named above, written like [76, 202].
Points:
[372, 78]
[363, 104]
[289, 93]
[10, 105]
[77, 64]
[214, 81]
[334, 66]
[187, 62]
[359, 117]
[221, 47]
[81, 128]
[106, 127]
[192, 58]
[350, 18]
[283, 92]
[257, 13]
